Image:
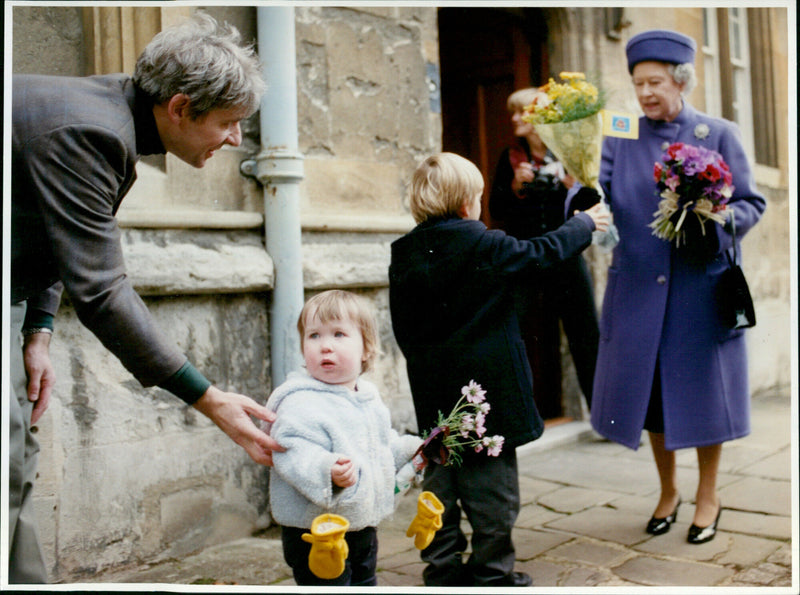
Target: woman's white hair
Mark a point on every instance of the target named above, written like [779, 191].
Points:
[683, 74]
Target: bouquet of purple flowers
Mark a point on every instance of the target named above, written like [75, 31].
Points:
[463, 428]
[692, 182]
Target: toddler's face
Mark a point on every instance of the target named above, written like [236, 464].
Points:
[334, 351]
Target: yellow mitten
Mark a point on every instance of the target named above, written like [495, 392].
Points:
[428, 520]
[328, 548]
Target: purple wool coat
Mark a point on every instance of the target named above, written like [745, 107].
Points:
[657, 307]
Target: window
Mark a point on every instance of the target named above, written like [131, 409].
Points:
[711, 63]
[738, 77]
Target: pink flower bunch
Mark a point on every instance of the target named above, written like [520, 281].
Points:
[690, 179]
[694, 172]
[463, 428]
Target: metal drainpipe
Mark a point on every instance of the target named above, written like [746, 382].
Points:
[279, 168]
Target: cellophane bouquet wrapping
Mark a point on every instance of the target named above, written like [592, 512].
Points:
[692, 181]
[569, 122]
[462, 428]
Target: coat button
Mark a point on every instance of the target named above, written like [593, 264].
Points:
[661, 279]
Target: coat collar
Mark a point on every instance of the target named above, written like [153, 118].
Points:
[669, 130]
[148, 142]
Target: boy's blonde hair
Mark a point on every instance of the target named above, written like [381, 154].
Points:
[442, 184]
[522, 98]
[336, 304]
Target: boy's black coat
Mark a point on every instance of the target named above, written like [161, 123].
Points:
[454, 291]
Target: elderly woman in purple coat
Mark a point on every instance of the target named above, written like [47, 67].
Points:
[666, 362]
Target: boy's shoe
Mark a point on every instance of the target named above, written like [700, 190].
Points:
[515, 579]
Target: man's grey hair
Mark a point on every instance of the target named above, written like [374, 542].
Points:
[684, 74]
[204, 61]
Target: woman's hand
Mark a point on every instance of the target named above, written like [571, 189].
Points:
[343, 473]
[523, 174]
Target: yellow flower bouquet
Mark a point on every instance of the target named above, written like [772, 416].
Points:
[567, 119]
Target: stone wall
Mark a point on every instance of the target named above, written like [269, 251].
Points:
[356, 61]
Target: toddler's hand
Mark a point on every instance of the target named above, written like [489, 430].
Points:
[600, 215]
[343, 473]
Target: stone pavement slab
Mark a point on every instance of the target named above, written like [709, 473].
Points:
[754, 523]
[652, 571]
[590, 552]
[758, 494]
[530, 544]
[603, 523]
[725, 548]
[572, 499]
[776, 466]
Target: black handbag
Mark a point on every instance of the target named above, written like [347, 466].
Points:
[733, 294]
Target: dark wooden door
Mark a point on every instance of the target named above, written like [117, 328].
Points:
[486, 54]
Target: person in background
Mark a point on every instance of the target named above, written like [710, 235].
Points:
[667, 363]
[528, 199]
[454, 289]
[342, 453]
[75, 144]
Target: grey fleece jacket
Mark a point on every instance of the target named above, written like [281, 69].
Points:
[319, 422]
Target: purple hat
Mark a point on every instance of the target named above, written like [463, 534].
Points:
[660, 45]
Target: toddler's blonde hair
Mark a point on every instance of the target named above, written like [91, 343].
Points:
[336, 304]
[442, 184]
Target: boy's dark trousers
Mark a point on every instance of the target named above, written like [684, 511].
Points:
[487, 489]
[360, 566]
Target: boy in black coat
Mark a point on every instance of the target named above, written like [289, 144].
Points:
[454, 298]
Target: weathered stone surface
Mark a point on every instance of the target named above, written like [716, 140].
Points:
[571, 500]
[590, 470]
[355, 185]
[584, 551]
[602, 523]
[758, 524]
[758, 494]
[657, 572]
[531, 543]
[765, 575]
[204, 262]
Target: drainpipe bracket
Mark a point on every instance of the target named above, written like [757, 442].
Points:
[274, 168]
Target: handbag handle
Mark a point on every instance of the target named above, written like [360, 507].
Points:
[735, 260]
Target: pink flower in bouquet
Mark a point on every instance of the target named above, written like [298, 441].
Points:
[474, 392]
[480, 429]
[467, 425]
[493, 444]
[463, 428]
[690, 179]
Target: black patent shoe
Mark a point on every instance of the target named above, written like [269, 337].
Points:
[660, 526]
[703, 534]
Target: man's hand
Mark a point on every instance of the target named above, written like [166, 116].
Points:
[231, 412]
[40, 371]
